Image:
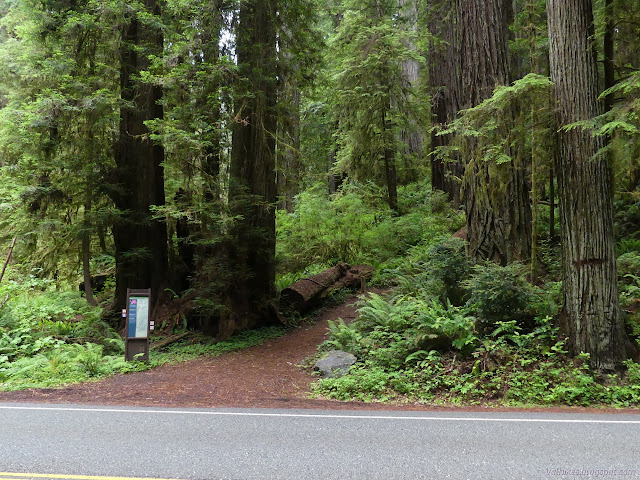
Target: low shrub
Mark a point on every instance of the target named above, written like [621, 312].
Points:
[356, 226]
[500, 294]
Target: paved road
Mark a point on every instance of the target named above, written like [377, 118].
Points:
[305, 444]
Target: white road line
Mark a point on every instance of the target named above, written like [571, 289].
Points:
[321, 415]
[54, 476]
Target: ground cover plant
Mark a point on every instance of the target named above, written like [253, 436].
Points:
[356, 226]
[450, 331]
[50, 338]
[497, 342]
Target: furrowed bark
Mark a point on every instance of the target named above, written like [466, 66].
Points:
[496, 197]
[591, 311]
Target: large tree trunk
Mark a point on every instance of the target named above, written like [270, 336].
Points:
[289, 170]
[289, 166]
[210, 38]
[443, 85]
[389, 159]
[140, 240]
[251, 296]
[496, 197]
[86, 251]
[592, 316]
[412, 137]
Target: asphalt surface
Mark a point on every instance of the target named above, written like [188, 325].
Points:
[308, 444]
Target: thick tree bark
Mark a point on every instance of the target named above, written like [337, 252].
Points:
[251, 297]
[591, 312]
[443, 85]
[289, 166]
[140, 240]
[86, 251]
[444, 81]
[389, 160]
[413, 138]
[608, 49]
[210, 38]
[496, 197]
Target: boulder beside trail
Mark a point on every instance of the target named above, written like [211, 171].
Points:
[335, 363]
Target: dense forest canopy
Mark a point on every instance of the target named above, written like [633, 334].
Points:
[217, 150]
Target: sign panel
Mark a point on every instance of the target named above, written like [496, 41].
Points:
[136, 342]
[138, 317]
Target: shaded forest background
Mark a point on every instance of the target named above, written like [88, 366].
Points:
[217, 151]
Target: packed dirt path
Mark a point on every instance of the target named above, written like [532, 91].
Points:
[266, 375]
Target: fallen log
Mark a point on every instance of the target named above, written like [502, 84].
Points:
[308, 292]
[169, 340]
[356, 278]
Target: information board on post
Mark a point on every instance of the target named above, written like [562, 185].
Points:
[137, 324]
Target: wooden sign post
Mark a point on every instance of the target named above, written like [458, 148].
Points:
[136, 344]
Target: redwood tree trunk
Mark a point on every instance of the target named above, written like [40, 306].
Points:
[592, 316]
[289, 166]
[251, 297]
[412, 138]
[443, 85]
[140, 240]
[86, 251]
[496, 197]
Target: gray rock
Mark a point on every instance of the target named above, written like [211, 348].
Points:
[335, 363]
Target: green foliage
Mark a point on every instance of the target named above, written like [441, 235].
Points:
[52, 339]
[627, 219]
[321, 230]
[371, 100]
[356, 227]
[435, 270]
[499, 294]
[629, 274]
[418, 348]
[59, 98]
[507, 366]
[629, 264]
[630, 290]
[500, 125]
[393, 333]
[201, 346]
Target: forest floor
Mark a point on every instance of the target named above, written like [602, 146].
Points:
[269, 375]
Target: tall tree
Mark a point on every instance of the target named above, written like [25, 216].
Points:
[61, 90]
[251, 295]
[138, 184]
[299, 45]
[591, 310]
[373, 101]
[412, 135]
[496, 196]
[446, 175]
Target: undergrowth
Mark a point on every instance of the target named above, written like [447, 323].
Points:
[50, 338]
[496, 343]
[355, 226]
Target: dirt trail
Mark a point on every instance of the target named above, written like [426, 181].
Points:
[263, 376]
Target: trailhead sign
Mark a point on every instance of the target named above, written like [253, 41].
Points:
[136, 345]
[138, 317]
